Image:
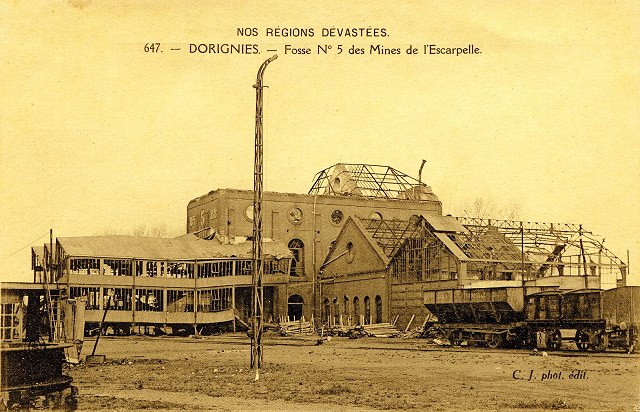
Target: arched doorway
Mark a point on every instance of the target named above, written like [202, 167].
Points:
[378, 309]
[336, 311]
[294, 307]
[367, 310]
[297, 263]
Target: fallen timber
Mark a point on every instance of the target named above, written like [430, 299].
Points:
[296, 327]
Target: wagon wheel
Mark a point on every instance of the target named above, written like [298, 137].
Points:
[455, 337]
[493, 340]
[554, 339]
[601, 341]
[20, 401]
[582, 340]
[531, 339]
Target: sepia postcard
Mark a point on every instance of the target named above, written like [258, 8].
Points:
[436, 178]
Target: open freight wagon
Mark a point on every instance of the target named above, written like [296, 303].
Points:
[490, 316]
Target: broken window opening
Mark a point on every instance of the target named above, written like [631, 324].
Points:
[149, 300]
[117, 267]
[179, 301]
[297, 263]
[92, 294]
[214, 300]
[119, 298]
[181, 270]
[215, 269]
[84, 266]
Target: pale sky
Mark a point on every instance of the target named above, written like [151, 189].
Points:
[97, 135]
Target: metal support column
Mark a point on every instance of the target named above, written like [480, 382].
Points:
[256, 257]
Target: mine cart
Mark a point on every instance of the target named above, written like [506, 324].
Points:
[621, 315]
[601, 318]
[543, 315]
[488, 316]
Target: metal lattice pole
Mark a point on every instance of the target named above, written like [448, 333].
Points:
[256, 257]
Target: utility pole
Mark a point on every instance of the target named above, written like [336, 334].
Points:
[257, 263]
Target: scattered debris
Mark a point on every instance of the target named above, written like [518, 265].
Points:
[296, 327]
[376, 330]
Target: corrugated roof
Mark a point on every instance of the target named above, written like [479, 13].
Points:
[444, 223]
[188, 247]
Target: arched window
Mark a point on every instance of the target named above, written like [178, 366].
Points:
[297, 263]
[327, 311]
[294, 307]
[356, 310]
[345, 311]
[336, 311]
[367, 310]
[350, 252]
[378, 309]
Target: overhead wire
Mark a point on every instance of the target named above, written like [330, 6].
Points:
[23, 247]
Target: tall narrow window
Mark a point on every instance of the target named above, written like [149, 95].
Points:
[367, 310]
[297, 263]
[378, 309]
[346, 318]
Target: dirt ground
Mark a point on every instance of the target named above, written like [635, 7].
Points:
[212, 373]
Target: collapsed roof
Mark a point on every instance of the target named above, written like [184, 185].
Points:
[187, 247]
[568, 248]
[357, 179]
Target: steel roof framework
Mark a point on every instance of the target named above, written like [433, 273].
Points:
[371, 181]
[544, 245]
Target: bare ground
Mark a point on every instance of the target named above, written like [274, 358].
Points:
[143, 373]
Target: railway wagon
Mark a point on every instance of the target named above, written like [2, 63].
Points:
[602, 319]
[489, 316]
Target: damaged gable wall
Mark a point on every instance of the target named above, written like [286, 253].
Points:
[355, 281]
[354, 253]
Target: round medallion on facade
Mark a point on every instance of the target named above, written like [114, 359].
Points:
[337, 216]
[248, 213]
[295, 215]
